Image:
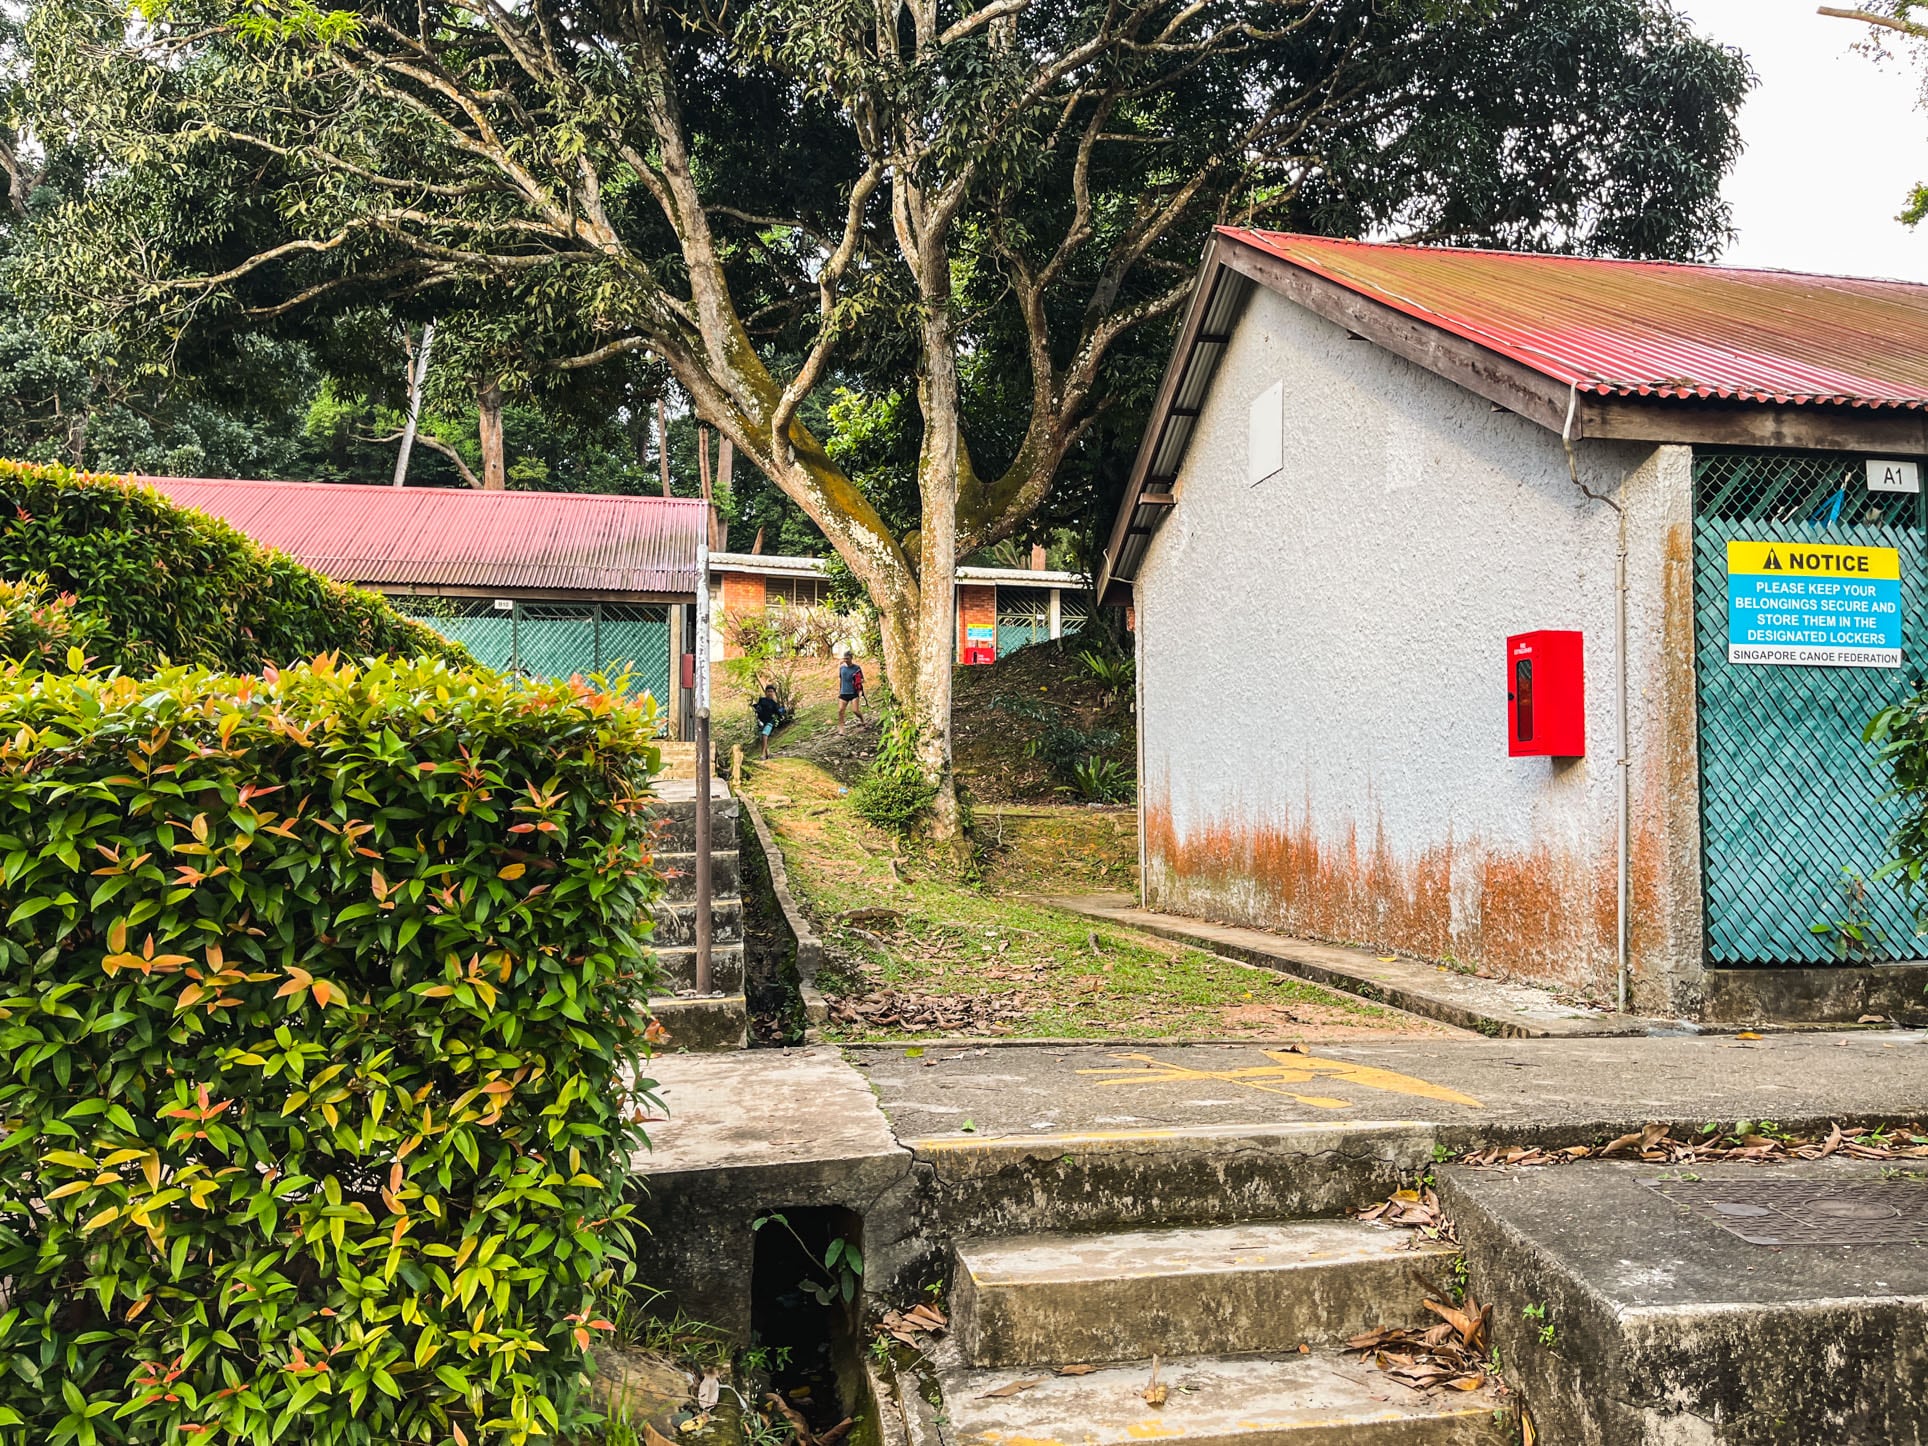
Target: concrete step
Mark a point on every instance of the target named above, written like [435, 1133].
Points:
[703, 1026]
[1320, 1399]
[677, 966]
[679, 872]
[1189, 1290]
[679, 761]
[676, 825]
[998, 1186]
[676, 923]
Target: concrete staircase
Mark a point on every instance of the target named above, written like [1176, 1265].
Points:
[721, 1020]
[1248, 1321]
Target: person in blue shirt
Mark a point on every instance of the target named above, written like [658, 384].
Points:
[850, 689]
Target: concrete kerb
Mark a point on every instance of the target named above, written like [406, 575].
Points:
[816, 1009]
[1401, 984]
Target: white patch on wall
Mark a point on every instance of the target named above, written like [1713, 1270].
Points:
[1265, 438]
[1410, 455]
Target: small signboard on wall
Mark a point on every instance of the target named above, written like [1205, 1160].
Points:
[1893, 476]
[1813, 604]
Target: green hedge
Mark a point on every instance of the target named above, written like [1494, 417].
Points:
[173, 585]
[321, 1001]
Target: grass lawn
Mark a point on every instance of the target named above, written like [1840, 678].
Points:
[913, 951]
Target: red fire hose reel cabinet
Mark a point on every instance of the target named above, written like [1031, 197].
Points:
[1546, 695]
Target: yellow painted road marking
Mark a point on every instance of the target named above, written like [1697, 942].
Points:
[1287, 1069]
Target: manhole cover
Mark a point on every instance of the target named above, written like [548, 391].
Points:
[1807, 1212]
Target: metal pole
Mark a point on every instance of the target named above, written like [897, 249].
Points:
[414, 403]
[703, 980]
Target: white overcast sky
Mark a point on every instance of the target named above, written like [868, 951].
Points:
[1834, 141]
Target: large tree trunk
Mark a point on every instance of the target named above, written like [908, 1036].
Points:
[929, 707]
[488, 424]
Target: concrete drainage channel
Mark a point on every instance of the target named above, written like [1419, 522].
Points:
[782, 951]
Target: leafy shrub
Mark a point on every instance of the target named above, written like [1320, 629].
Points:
[320, 994]
[818, 632]
[1101, 780]
[1063, 746]
[894, 793]
[171, 585]
[766, 655]
[1115, 675]
[41, 629]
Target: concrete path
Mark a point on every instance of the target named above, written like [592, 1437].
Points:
[1486, 1006]
[1508, 1087]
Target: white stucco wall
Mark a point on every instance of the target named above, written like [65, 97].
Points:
[1324, 673]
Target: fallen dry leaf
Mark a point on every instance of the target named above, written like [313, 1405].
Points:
[653, 1437]
[1468, 1320]
[1011, 1390]
[1079, 1370]
[794, 1417]
[1154, 1393]
[1656, 1144]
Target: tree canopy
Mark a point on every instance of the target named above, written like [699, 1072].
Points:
[976, 219]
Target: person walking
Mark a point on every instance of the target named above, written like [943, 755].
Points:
[770, 715]
[850, 689]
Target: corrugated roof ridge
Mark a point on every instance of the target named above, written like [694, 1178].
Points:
[389, 489]
[1430, 249]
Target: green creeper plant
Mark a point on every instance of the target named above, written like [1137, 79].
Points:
[322, 1037]
[168, 584]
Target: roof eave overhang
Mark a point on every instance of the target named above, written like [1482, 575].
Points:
[1218, 296]
[1551, 402]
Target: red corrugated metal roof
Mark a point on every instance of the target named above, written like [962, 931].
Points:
[1649, 328]
[439, 537]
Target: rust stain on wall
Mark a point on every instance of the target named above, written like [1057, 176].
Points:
[1542, 913]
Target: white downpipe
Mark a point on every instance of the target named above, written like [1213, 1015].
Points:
[1623, 765]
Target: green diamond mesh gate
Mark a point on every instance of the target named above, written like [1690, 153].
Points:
[559, 639]
[1023, 618]
[1790, 795]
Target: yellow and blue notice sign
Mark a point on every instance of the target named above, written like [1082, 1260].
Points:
[1813, 604]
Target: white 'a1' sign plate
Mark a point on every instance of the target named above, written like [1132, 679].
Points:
[1884, 476]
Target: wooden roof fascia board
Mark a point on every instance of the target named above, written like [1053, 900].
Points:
[1191, 335]
[1485, 373]
[1751, 424]
[522, 594]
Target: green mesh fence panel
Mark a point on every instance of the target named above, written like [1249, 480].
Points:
[561, 639]
[1790, 795]
[636, 639]
[486, 631]
[556, 640]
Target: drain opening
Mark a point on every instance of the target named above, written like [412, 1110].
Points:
[806, 1292]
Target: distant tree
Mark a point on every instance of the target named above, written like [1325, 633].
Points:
[1887, 20]
[981, 204]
